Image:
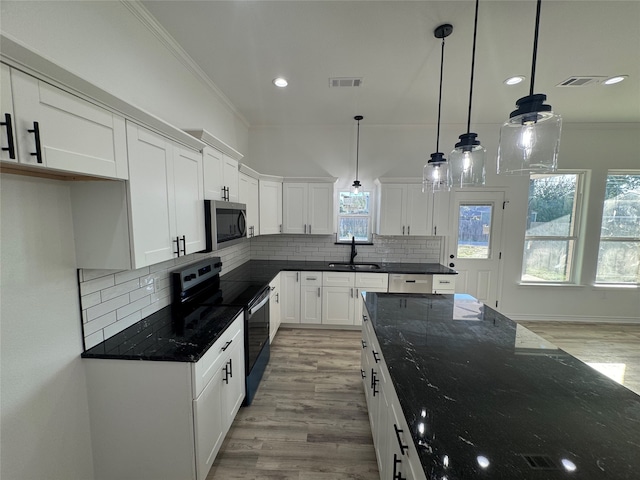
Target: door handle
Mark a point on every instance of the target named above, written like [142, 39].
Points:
[452, 264]
[184, 245]
[36, 134]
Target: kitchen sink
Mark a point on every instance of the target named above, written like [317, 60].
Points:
[356, 266]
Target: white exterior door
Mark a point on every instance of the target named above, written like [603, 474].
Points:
[476, 250]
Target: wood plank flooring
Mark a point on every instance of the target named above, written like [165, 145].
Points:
[616, 347]
[308, 420]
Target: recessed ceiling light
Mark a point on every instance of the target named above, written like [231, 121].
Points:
[514, 80]
[616, 79]
[280, 82]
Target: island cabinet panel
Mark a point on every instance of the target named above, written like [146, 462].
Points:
[55, 130]
[155, 420]
[395, 450]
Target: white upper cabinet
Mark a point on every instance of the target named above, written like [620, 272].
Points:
[220, 176]
[7, 135]
[307, 208]
[404, 210]
[248, 194]
[60, 131]
[156, 216]
[270, 193]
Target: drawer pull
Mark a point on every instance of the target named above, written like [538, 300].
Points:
[36, 134]
[364, 344]
[364, 318]
[364, 375]
[375, 356]
[226, 345]
[396, 474]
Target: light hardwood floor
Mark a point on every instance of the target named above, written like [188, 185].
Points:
[616, 347]
[308, 420]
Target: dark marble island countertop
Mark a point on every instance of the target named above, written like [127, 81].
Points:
[484, 389]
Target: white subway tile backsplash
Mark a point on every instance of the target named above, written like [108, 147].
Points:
[121, 324]
[145, 291]
[97, 284]
[99, 323]
[93, 339]
[120, 289]
[90, 300]
[126, 275]
[106, 307]
[133, 307]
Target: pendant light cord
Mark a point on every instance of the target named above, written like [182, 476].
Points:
[535, 48]
[440, 97]
[357, 148]
[473, 64]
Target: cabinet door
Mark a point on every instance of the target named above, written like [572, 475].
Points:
[320, 208]
[7, 135]
[294, 207]
[209, 426]
[151, 197]
[75, 135]
[213, 174]
[274, 307]
[311, 304]
[233, 381]
[290, 296]
[231, 177]
[338, 305]
[248, 194]
[189, 196]
[270, 204]
[441, 214]
[392, 210]
[418, 211]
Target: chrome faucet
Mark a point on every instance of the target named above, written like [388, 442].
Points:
[354, 252]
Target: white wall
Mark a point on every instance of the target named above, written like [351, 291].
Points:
[401, 151]
[104, 43]
[45, 419]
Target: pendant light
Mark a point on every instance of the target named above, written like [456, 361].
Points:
[530, 139]
[468, 157]
[435, 174]
[356, 183]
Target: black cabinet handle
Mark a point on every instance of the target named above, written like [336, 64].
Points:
[231, 367]
[375, 356]
[364, 375]
[184, 245]
[398, 432]
[177, 242]
[226, 345]
[364, 318]
[396, 474]
[364, 344]
[374, 382]
[10, 146]
[36, 134]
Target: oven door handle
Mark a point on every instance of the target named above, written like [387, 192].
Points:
[263, 301]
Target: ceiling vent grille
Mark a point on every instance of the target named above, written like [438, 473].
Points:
[581, 81]
[345, 82]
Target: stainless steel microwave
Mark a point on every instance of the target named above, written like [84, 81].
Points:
[225, 223]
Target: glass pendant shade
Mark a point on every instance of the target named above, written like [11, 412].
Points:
[530, 140]
[436, 176]
[466, 162]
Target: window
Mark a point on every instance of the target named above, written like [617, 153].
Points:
[474, 231]
[619, 252]
[354, 217]
[552, 226]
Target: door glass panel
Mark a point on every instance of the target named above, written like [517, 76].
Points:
[474, 230]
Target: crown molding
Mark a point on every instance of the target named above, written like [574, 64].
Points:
[150, 22]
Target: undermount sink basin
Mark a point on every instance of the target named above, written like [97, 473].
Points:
[356, 266]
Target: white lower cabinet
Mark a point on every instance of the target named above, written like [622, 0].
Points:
[161, 420]
[290, 294]
[311, 297]
[395, 450]
[275, 307]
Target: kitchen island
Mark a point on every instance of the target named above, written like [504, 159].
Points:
[483, 397]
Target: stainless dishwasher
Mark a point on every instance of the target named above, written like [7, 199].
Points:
[410, 283]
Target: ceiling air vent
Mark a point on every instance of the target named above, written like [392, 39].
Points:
[345, 82]
[583, 81]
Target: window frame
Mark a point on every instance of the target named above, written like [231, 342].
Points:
[368, 216]
[612, 239]
[573, 239]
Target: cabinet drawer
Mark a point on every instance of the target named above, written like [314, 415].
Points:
[311, 279]
[205, 368]
[372, 280]
[338, 279]
[444, 283]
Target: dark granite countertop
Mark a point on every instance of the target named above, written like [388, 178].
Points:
[167, 336]
[481, 390]
[266, 270]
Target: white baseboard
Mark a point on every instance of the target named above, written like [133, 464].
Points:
[570, 318]
[319, 326]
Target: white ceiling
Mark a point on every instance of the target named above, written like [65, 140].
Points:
[243, 45]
